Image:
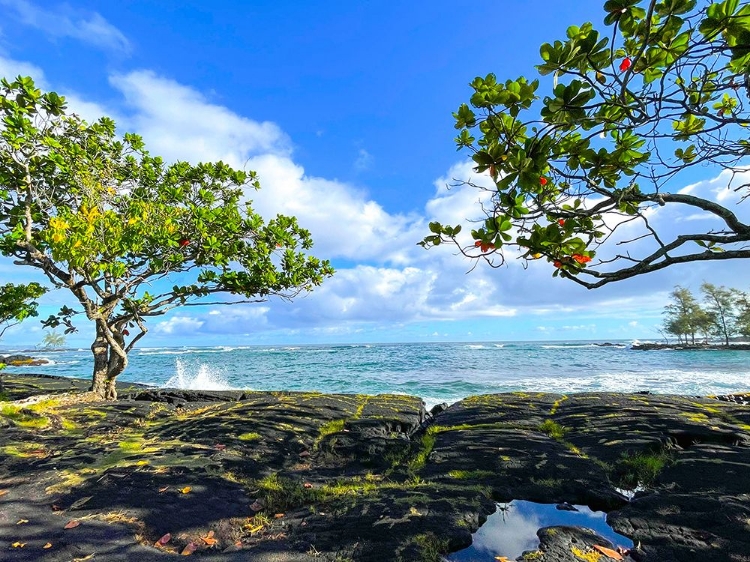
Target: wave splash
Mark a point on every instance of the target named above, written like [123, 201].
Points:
[203, 377]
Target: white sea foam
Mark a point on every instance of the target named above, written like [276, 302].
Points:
[204, 377]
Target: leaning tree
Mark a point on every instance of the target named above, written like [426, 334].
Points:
[115, 226]
[629, 113]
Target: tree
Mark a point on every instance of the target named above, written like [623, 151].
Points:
[684, 316]
[720, 305]
[630, 111]
[743, 313]
[53, 340]
[17, 302]
[102, 218]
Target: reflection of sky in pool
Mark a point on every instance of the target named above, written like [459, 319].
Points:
[511, 530]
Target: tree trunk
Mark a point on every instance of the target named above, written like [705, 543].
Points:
[107, 365]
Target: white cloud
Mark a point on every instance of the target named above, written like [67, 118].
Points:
[88, 27]
[10, 68]
[178, 325]
[179, 123]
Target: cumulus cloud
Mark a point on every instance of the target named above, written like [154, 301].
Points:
[64, 21]
[178, 325]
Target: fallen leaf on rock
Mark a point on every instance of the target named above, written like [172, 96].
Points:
[304, 454]
[164, 540]
[253, 528]
[72, 524]
[209, 539]
[502, 558]
[3, 492]
[163, 489]
[22, 521]
[307, 485]
[47, 545]
[80, 502]
[189, 549]
[278, 516]
[186, 490]
[257, 505]
[220, 447]
[87, 557]
[18, 544]
[608, 552]
[56, 507]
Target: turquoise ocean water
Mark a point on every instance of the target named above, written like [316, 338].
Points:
[437, 372]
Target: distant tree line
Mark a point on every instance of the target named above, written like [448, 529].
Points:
[722, 312]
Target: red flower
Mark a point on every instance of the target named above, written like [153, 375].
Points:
[125, 333]
[484, 246]
[542, 181]
[625, 64]
[184, 242]
[557, 264]
[561, 222]
[477, 243]
[580, 258]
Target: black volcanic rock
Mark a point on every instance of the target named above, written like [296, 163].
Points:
[272, 476]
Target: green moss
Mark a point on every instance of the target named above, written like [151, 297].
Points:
[431, 547]
[23, 417]
[426, 445]
[640, 469]
[556, 405]
[470, 474]
[333, 426]
[553, 429]
[252, 436]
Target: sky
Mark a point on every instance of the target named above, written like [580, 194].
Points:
[344, 110]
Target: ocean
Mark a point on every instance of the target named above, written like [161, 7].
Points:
[437, 372]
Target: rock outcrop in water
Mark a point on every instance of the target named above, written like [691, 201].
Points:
[282, 476]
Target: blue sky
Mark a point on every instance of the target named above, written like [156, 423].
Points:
[344, 109]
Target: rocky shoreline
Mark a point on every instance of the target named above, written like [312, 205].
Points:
[285, 476]
[690, 346]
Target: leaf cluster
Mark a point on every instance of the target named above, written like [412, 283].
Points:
[662, 91]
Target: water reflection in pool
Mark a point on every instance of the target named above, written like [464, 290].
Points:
[511, 530]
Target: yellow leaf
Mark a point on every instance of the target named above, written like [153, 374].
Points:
[47, 545]
[3, 492]
[22, 521]
[18, 544]
[186, 490]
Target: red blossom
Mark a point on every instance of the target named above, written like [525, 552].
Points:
[561, 222]
[625, 64]
[477, 243]
[542, 181]
[580, 258]
[557, 264]
[184, 242]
